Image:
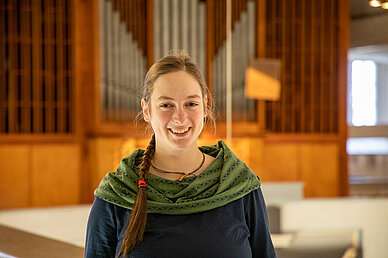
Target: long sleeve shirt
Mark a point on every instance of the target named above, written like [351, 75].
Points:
[238, 229]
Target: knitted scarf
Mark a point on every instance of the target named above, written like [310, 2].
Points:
[226, 179]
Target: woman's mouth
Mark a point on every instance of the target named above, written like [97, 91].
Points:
[180, 132]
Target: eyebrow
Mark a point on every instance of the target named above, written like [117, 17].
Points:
[188, 97]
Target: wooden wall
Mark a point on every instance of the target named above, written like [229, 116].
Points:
[34, 175]
[48, 174]
[60, 169]
[315, 163]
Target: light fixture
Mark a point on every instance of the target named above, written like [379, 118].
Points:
[379, 3]
[375, 3]
[262, 79]
[385, 4]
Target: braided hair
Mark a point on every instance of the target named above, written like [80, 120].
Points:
[138, 219]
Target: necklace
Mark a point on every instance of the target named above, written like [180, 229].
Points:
[183, 174]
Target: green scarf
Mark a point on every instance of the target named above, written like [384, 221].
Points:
[226, 179]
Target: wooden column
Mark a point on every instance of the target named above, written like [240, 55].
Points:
[261, 42]
[150, 33]
[209, 43]
[344, 28]
[86, 81]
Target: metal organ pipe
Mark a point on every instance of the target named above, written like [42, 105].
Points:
[243, 50]
[180, 24]
[122, 67]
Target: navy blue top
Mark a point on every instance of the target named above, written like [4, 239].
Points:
[238, 229]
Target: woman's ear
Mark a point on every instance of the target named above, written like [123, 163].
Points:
[145, 107]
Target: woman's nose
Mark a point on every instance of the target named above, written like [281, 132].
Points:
[180, 115]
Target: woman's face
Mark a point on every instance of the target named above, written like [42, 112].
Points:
[176, 111]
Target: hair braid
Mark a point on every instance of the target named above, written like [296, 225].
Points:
[138, 218]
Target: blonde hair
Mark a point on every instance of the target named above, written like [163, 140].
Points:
[171, 63]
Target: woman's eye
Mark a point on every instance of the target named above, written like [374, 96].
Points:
[165, 105]
[193, 104]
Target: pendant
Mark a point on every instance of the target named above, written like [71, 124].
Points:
[183, 176]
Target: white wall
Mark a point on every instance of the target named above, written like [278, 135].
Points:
[369, 215]
[382, 93]
[67, 223]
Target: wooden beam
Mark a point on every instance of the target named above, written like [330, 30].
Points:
[303, 55]
[150, 33]
[60, 51]
[209, 43]
[36, 138]
[261, 24]
[300, 138]
[13, 64]
[343, 37]
[85, 56]
[37, 107]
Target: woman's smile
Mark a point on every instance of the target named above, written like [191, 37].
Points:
[180, 132]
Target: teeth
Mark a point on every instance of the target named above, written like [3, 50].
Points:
[180, 131]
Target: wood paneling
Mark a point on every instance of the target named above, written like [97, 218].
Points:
[319, 169]
[281, 162]
[55, 174]
[305, 35]
[39, 175]
[315, 163]
[15, 181]
[49, 174]
[36, 43]
[105, 155]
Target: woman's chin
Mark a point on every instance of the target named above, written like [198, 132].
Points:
[182, 142]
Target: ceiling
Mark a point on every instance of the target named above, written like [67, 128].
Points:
[361, 9]
[377, 53]
[369, 32]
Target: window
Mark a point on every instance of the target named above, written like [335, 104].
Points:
[363, 93]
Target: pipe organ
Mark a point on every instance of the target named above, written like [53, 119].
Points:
[180, 24]
[122, 59]
[176, 25]
[37, 76]
[243, 50]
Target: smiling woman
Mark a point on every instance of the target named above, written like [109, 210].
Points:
[176, 199]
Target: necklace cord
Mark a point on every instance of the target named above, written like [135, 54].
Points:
[180, 173]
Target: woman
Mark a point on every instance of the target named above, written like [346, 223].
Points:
[175, 199]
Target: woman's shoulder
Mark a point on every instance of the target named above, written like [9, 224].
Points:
[101, 204]
[120, 187]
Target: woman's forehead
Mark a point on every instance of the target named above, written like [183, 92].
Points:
[176, 85]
